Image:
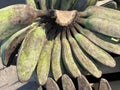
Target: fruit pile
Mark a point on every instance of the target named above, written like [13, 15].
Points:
[53, 37]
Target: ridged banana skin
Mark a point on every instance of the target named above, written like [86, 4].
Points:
[29, 53]
[66, 4]
[109, 46]
[102, 25]
[82, 58]
[43, 66]
[31, 3]
[14, 18]
[68, 59]
[67, 83]
[97, 53]
[56, 64]
[11, 43]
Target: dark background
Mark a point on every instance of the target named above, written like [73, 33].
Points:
[4, 3]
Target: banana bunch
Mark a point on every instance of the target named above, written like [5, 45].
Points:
[56, 37]
[68, 83]
[61, 4]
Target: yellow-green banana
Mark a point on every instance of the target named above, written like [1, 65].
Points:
[29, 53]
[68, 59]
[93, 50]
[82, 58]
[14, 18]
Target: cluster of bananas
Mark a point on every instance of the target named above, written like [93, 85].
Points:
[62, 37]
[68, 83]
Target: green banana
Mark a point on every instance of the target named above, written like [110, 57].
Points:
[55, 4]
[51, 85]
[43, 66]
[93, 50]
[29, 53]
[31, 3]
[110, 4]
[48, 4]
[67, 83]
[43, 4]
[111, 47]
[68, 59]
[104, 84]
[91, 2]
[82, 58]
[83, 83]
[100, 12]
[66, 4]
[11, 43]
[79, 5]
[56, 64]
[44, 62]
[14, 18]
[102, 25]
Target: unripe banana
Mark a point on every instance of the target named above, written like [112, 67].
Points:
[81, 58]
[91, 2]
[103, 43]
[66, 4]
[55, 4]
[94, 51]
[101, 12]
[29, 53]
[79, 5]
[14, 18]
[43, 4]
[102, 25]
[31, 3]
[56, 63]
[43, 66]
[68, 59]
[8, 47]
